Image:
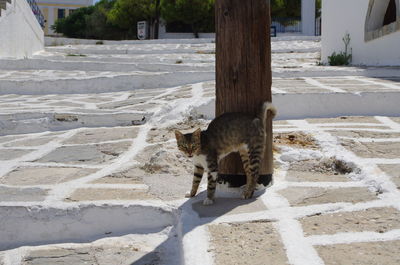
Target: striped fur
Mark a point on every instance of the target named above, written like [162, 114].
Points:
[230, 132]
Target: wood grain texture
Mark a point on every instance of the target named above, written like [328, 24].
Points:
[243, 67]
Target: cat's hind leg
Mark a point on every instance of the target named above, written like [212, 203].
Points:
[212, 165]
[252, 173]
[197, 175]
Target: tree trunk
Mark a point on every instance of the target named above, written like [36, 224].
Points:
[157, 22]
[243, 71]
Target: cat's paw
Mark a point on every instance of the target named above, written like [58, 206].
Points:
[189, 194]
[207, 201]
[247, 194]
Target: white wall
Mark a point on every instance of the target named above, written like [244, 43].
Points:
[20, 32]
[308, 17]
[341, 16]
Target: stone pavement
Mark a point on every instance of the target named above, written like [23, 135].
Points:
[90, 174]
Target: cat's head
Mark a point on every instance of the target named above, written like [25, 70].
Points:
[189, 143]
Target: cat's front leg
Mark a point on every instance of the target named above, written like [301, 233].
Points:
[212, 164]
[197, 175]
[211, 186]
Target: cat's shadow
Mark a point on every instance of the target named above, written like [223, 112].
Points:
[194, 214]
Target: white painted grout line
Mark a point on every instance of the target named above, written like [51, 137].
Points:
[353, 237]
[326, 185]
[340, 124]
[370, 140]
[369, 81]
[370, 175]
[379, 161]
[388, 122]
[298, 250]
[316, 83]
[54, 164]
[278, 91]
[7, 166]
[139, 187]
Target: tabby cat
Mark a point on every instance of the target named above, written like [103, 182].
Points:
[230, 132]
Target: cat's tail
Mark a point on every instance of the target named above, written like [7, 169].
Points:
[267, 109]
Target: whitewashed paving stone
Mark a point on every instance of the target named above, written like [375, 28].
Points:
[31, 142]
[99, 255]
[375, 253]
[102, 135]
[22, 194]
[86, 154]
[345, 119]
[98, 194]
[301, 176]
[380, 220]
[309, 196]
[9, 154]
[393, 171]
[44, 175]
[130, 176]
[229, 206]
[8, 138]
[246, 243]
[364, 134]
[377, 150]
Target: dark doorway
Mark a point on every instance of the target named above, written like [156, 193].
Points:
[390, 15]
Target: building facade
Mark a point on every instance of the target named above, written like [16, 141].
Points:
[373, 27]
[56, 9]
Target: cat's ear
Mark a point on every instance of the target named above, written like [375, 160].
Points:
[197, 134]
[178, 135]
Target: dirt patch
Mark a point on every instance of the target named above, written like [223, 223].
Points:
[189, 124]
[299, 140]
[156, 160]
[331, 166]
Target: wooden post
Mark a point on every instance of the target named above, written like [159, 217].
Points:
[243, 72]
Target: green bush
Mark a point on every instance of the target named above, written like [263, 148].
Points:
[339, 59]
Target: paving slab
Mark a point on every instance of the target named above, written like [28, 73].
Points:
[380, 220]
[346, 119]
[308, 196]
[98, 194]
[86, 154]
[8, 194]
[372, 253]
[377, 150]
[229, 206]
[31, 142]
[25, 176]
[393, 171]
[303, 176]
[129, 176]
[10, 154]
[364, 134]
[246, 243]
[102, 135]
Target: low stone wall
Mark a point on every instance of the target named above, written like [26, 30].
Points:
[20, 33]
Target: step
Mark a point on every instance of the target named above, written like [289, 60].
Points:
[62, 64]
[41, 121]
[79, 82]
[79, 223]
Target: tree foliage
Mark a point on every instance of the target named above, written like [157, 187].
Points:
[199, 14]
[117, 19]
[126, 13]
[90, 22]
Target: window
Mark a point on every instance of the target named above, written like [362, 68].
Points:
[382, 18]
[61, 13]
